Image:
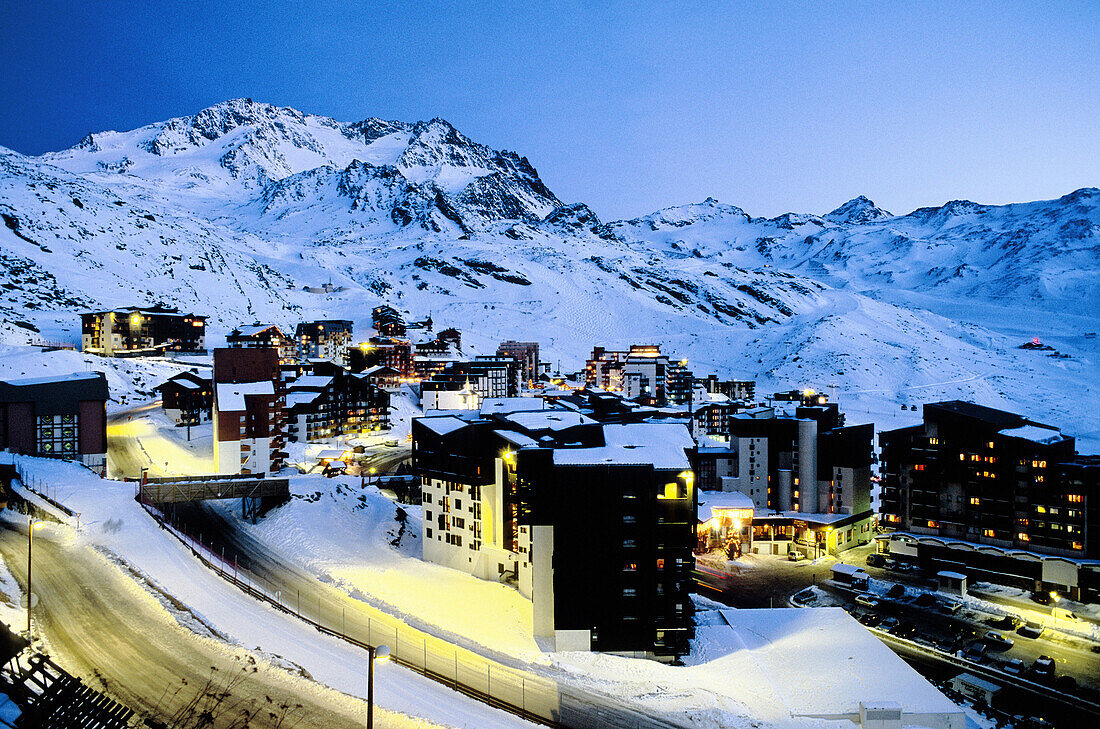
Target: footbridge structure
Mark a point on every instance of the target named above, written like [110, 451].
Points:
[256, 492]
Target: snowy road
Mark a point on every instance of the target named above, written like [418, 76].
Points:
[98, 624]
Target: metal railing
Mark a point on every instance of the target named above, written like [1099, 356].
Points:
[525, 694]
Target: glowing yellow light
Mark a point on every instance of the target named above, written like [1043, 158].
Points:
[1055, 596]
[135, 319]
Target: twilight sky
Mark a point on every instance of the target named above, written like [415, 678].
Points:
[628, 106]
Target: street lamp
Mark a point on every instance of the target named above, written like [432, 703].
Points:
[1055, 597]
[381, 654]
[32, 524]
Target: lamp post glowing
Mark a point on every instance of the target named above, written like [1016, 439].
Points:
[380, 654]
[32, 524]
[1055, 597]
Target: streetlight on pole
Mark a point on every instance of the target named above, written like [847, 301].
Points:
[32, 524]
[381, 654]
[1055, 597]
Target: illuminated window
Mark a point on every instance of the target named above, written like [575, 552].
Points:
[933, 525]
[1040, 509]
[1039, 478]
[1075, 499]
[975, 501]
[918, 467]
[989, 444]
[1078, 545]
[933, 441]
[987, 533]
[1023, 537]
[962, 456]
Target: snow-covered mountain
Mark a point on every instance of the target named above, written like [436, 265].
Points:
[232, 211]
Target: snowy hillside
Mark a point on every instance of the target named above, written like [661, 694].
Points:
[232, 211]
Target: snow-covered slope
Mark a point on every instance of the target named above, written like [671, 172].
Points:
[232, 211]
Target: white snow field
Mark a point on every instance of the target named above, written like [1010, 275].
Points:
[230, 212]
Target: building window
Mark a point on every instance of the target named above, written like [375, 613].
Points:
[1075, 499]
[975, 501]
[987, 533]
[57, 435]
[1023, 537]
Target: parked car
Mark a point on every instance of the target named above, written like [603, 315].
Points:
[1043, 666]
[888, 624]
[1016, 667]
[975, 652]
[870, 619]
[795, 556]
[996, 640]
[876, 560]
[1030, 630]
[950, 606]
[896, 592]
[905, 629]
[1041, 596]
[925, 600]
[804, 596]
[867, 600]
[1005, 622]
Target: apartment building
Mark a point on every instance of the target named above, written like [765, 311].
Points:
[993, 494]
[808, 475]
[327, 339]
[391, 352]
[330, 401]
[264, 335]
[63, 416]
[249, 402]
[142, 331]
[526, 354]
[187, 398]
[593, 522]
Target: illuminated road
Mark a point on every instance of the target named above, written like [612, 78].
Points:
[99, 626]
[125, 455]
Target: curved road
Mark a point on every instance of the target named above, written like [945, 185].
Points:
[100, 626]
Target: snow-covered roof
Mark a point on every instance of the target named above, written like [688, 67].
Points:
[376, 369]
[848, 664]
[951, 575]
[301, 398]
[251, 330]
[230, 395]
[548, 419]
[71, 377]
[517, 439]
[310, 381]
[809, 518]
[507, 405]
[660, 444]
[1034, 433]
[443, 425]
[709, 501]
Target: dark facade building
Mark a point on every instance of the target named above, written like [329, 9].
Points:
[327, 339]
[594, 522]
[142, 331]
[56, 417]
[388, 322]
[187, 398]
[390, 352]
[526, 353]
[330, 402]
[980, 489]
[249, 418]
[743, 390]
[264, 335]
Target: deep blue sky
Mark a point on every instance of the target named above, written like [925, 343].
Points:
[627, 106]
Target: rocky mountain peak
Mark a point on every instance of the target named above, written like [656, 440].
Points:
[856, 211]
